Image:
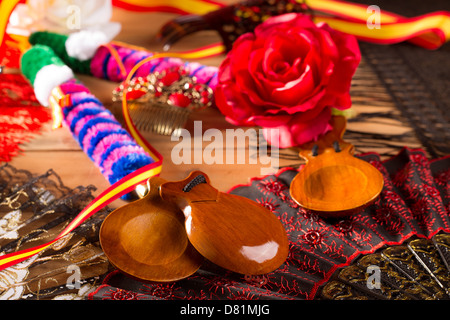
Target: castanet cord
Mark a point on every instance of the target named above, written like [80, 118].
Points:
[315, 150]
[336, 146]
[194, 182]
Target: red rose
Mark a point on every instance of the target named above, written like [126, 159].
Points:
[288, 75]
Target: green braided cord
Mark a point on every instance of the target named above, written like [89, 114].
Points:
[58, 43]
[35, 59]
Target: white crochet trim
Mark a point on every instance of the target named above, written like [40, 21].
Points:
[47, 79]
[82, 45]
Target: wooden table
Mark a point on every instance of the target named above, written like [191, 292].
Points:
[58, 150]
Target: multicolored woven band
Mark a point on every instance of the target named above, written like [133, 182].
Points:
[121, 187]
[102, 138]
[114, 61]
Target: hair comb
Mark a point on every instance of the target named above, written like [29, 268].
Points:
[163, 101]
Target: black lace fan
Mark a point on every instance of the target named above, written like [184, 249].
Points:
[418, 269]
[397, 248]
[34, 210]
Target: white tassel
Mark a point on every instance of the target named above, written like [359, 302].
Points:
[48, 78]
[82, 45]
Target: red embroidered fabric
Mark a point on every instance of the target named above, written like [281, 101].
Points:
[21, 115]
[414, 203]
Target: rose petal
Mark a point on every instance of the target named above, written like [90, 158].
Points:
[293, 91]
[269, 120]
[349, 59]
[242, 47]
[235, 107]
[224, 72]
[270, 57]
[288, 52]
[263, 86]
[296, 132]
[284, 21]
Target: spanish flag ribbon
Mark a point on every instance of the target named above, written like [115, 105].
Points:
[9, 42]
[171, 6]
[372, 24]
[366, 23]
[123, 186]
[118, 189]
[6, 8]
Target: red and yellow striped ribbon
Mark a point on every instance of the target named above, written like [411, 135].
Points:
[118, 189]
[429, 31]
[172, 6]
[124, 185]
[6, 7]
[206, 51]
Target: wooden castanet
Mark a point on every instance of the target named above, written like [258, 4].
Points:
[231, 231]
[146, 239]
[333, 182]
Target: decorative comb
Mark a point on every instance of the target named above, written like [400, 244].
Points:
[163, 101]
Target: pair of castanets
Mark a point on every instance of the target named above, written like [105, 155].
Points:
[166, 235]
